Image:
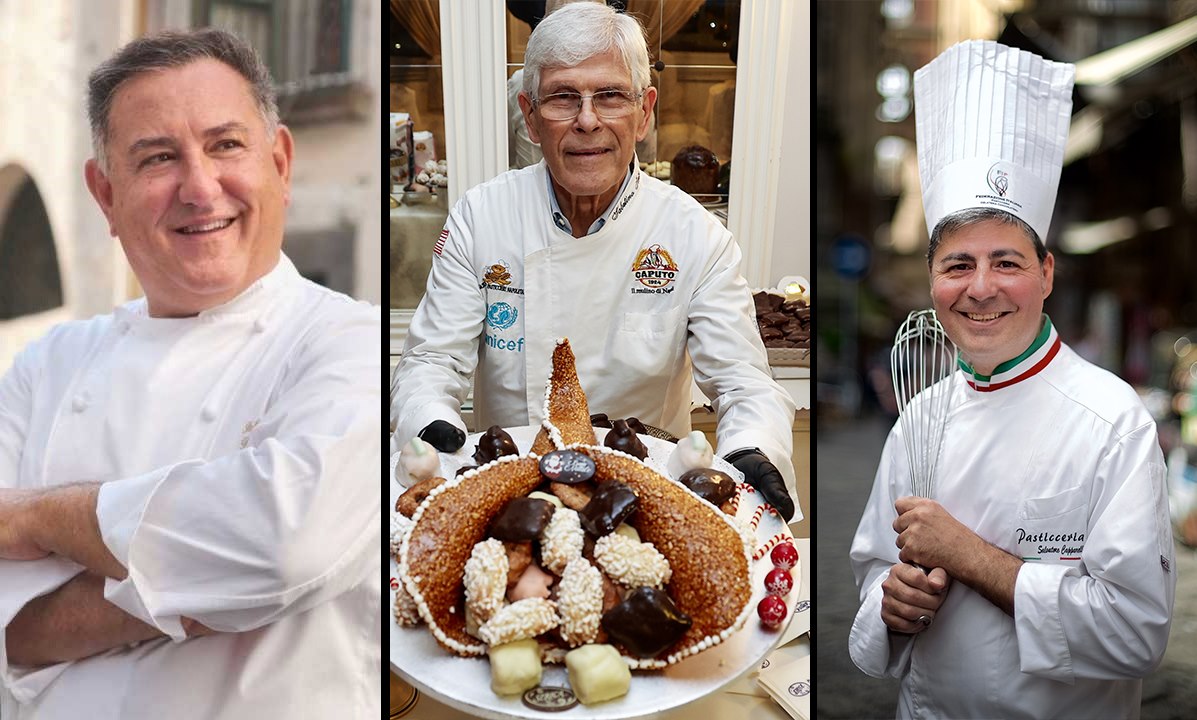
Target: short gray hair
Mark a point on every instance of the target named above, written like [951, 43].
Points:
[173, 49]
[963, 218]
[582, 30]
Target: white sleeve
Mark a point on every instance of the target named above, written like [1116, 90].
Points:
[873, 648]
[434, 374]
[21, 582]
[284, 524]
[731, 367]
[1113, 621]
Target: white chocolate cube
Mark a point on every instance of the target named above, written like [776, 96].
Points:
[597, 673]
[515, 667]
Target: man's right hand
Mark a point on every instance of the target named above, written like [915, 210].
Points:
[909, 594]
[443, 436]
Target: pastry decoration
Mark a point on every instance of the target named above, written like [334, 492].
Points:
[684, 564]
[692, 451]
[417, 461]
[494, 444]
[623, 438]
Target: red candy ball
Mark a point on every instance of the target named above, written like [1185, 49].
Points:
[784, 556]
[772, 611]
[779, 582]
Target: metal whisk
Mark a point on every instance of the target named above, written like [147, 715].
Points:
[922, 362]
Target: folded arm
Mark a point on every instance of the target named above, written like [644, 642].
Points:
[71, 623]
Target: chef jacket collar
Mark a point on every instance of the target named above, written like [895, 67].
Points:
[251, 301]
[1036, 357]
[562, 222]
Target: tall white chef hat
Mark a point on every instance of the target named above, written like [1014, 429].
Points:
[991, 122]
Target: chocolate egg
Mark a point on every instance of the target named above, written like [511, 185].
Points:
[522, 519]
[646, 622]
[612, 503]
[624, 439]
[709, 484]
[494, 444]
[567, 466]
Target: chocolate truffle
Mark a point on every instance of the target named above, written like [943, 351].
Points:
[709, 484]
[646, 622]
[623, 438]
[612, 503]
[522, 519]
[494, 444]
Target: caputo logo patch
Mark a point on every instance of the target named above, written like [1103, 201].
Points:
[654, 267]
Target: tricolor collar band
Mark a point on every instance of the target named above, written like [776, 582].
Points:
[1029, 363]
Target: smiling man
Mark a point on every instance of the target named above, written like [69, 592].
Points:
[189, 494]
[642, 279]
[1039, 580]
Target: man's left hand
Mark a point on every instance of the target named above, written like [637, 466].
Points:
[929, 536]
[15, 541]
[763, 475]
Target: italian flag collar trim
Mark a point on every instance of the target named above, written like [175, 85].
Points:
[1035, 358]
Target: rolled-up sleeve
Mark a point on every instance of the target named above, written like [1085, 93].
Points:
[285, 524]
[23, 581]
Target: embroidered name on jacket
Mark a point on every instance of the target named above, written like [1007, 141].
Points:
[654, 269]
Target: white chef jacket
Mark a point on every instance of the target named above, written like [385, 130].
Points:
[240, 451]
[1056, 461]
[651, 300]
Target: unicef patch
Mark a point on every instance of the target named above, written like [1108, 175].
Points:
[501, 315]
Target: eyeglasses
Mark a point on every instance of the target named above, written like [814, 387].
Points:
[607, 104]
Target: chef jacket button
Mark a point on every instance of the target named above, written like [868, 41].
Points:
[259, 325]
[208, 413]
[79, 403]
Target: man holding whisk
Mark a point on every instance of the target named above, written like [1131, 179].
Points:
[1035, 576]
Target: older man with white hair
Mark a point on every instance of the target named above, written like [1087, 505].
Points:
[574, 232]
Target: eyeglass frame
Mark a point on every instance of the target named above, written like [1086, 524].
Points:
[633, 97]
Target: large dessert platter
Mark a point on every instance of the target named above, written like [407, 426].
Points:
[570, 543]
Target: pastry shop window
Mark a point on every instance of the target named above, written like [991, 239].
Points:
[419, 173]
[693, 43]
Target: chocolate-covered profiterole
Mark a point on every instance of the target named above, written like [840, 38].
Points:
[494, 444]
[712, 485]
[646, 622]
[624, 439]
[567, 466]
[612, 503]
[522, 519]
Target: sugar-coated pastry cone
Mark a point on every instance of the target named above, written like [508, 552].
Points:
[710, 562]
[567, 410]
[445, 529]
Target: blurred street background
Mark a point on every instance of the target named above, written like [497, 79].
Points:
[1124, 234]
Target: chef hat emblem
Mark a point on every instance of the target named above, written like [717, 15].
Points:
[991, 123]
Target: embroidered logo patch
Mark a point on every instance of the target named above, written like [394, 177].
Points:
[655, 269]
[497, 276]
[501, 315]
[245, 431]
